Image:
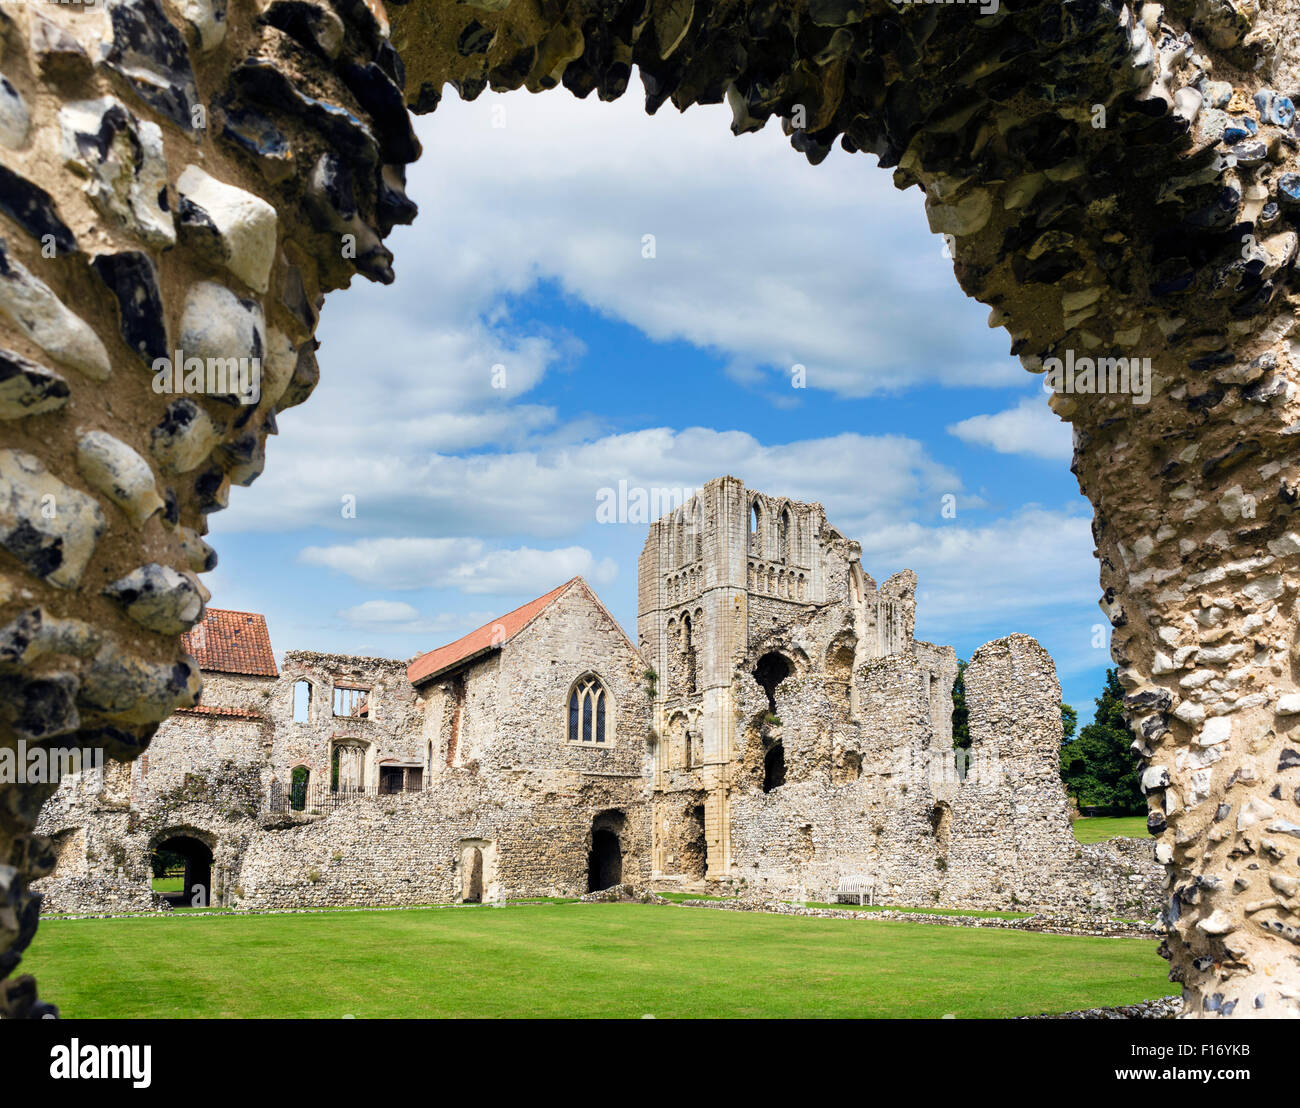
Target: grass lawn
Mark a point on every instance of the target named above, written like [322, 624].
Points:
[571, 959]
[1097, 829]
[168, 884]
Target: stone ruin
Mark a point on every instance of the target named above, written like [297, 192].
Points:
[1116, 182]
[777, 728]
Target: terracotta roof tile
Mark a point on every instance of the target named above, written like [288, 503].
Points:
[218, 710]
[232, 642]
[491, 636]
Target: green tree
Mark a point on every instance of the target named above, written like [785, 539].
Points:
[1069, 721]
[960, 716]
[1098, 768]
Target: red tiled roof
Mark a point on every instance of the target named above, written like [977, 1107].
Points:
[491, 636]
[218, 710]
[232, 642]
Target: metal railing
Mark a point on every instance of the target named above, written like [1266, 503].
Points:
[315, 800]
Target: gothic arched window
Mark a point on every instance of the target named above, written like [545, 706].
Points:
[588, 710]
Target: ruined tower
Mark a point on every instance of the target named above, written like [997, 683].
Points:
[752, 609]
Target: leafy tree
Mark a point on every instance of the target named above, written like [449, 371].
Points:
[163, 860]
[1098, 768]
[1069, 721]
[960, 716]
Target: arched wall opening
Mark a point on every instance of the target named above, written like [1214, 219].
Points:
[770, 670]
[181, 866]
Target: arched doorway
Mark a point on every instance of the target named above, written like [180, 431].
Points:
[182, 871]
[605, 858]
[299, 781]
[472, 879]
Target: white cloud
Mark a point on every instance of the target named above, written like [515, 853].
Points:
[1028, 428]
[381, 611]
[466, 565]
[757, 255]
[392, 617]
[1003, 575]
[551, 490]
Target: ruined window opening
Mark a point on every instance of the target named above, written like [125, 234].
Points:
[587, 708]
[688, 655]
[850, 768]
[941, 823]
[302, 702]
[457, 710]
[348, 767]
[774, 767]
[756, 529]
[350, 701]
[695, 845]
[299, 782]
[771, 670]
[697, 529]
[783, 538]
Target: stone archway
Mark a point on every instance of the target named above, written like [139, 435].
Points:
[1076, 157]
[196, 887]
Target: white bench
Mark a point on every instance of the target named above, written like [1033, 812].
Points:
[858, 886]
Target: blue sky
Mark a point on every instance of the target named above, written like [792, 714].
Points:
[527, 269]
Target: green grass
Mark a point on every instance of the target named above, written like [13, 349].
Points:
[169, 884]
[606, 960]
[981, 913]
[1097, 829]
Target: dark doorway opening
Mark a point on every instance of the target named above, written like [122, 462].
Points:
[190, 860]
[472, 890]
[771, 670]
[774, 767]
[605, 862]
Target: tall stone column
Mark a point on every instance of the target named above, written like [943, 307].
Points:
[179, 186]
[1199, 542]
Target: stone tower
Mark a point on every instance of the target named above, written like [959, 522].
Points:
[737, 592]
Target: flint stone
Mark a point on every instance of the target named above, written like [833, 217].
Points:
[123, 161]
[27, 388]
[235, 226]
[133, 281]
[33, 209]
[117, 471]
[15, 121]
[33, 308]
[160, 598]
[133, 690]
[149, 52]
[50, 527]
